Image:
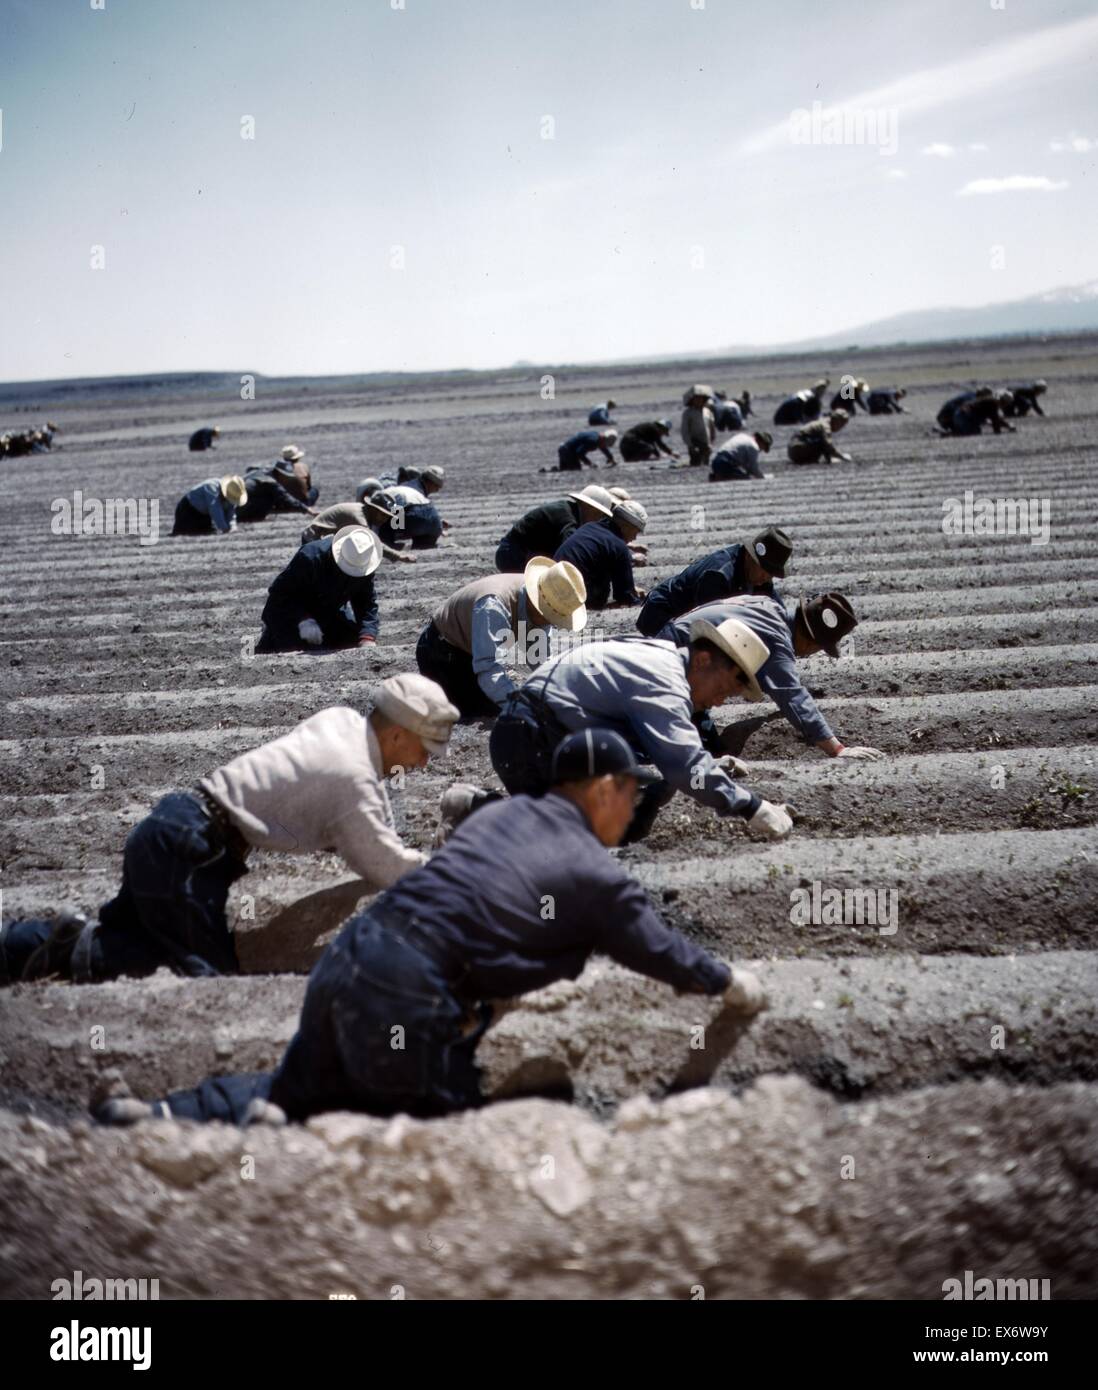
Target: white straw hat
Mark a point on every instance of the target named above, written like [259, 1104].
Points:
[356, 551]
[595, 496]
[234, 489]
[737, 641]
[291, 453]
[557, 591]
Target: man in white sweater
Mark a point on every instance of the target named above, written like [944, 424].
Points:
[319, 787]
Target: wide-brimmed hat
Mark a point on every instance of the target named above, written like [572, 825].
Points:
[698, 390]
[356, 551]
[611, 435]
[827, 619]
[631, 512]
[619, 494]
[557, 591]
[740, 644]
[771, 549]
[234, 489]
[433, 473]
[367, 488]
[291, 453]
[764, 439]
[420, 706]
[595, 496]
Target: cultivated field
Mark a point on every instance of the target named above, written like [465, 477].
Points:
[914, 1105]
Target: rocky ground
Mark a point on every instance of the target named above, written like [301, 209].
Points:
[917, 1102]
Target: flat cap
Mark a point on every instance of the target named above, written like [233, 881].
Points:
[420, 706]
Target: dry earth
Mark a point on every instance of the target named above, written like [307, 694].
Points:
[914, 1105]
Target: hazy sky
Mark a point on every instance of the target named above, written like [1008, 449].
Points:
[672, 210]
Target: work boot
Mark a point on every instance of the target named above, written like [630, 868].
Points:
[54, 956]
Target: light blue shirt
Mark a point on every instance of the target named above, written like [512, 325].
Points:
[208, 499]
[494, 640]
[637, 686]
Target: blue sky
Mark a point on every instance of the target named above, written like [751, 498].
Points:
[671, 210]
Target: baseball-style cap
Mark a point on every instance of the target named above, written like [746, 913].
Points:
[594, 753]
[420, 706]
[771, 549]
[827, 619]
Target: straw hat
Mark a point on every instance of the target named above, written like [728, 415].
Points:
[291, 453]
[234, 489]
[356, 551]
[557, 591]
[738, 642]
[595, 496]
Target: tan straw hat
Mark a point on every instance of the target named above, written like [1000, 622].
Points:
[557, 591]
[356, 551]
[737, 641]
[234, 490]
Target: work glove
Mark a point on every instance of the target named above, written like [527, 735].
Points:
[770, 822]
[367, 641]
[732, 766]
[745, 993]
[861, 752]
[308, 629]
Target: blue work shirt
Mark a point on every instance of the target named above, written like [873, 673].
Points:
[778, 674]
[638, 687]
[313, 586]
[599, 415]
[494, 641]
[524, 893]
[708, 579]
[208, 499]
[601, 555]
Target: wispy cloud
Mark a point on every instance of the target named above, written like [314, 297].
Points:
[939, 150]
[1005, 64]
[1074, 144]
[1014, 183]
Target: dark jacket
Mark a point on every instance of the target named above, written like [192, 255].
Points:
[598, 550]
[313, 586]
[709, 579]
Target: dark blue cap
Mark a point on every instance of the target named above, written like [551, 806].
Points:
[593, 753]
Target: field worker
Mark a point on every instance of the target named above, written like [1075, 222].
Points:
[600, 551]
[744, 403]
[968, 413]
[273, 490]
[747, 568]
[727, 415]
[802, 406]
[495, 622]
[211, 506]
[325, 596]
[318, 787]
[850, 396]
[414, 516]
[818, 623]
[572, 454]
[427, 480]
[367, 488]
[813, 443]
[885, 400]
[1024, 398]
[466, 930]
[544, 529]
[648, 440]
[699, 391]
[649, 692]
[292, 470]
[600, 414]
[203, 439]
[364, 513]
[738, 457]
[698, 429]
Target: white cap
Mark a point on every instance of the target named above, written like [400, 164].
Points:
[420, 706]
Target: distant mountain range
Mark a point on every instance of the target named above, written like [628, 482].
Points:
[1070, 309]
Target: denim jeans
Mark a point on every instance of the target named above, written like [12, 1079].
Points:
[521, 746]
[450, 667]
[339, 628]
[419, 523]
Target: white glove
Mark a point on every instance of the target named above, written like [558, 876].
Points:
[727, 763]
[860, 751]
[746, 993]
[308, 629]
[770, 822]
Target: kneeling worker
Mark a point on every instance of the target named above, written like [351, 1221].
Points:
[319, 787]
[211, 506]
[648, 692]
[466, 645]
[813, 443]
[465, 929]
[749, 568]
[325, 595]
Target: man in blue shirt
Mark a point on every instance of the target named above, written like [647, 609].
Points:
[750, 568]
[600, 414]
[325, 595]
[520, 896]
[211, 506]
[816, 624]
[572, 454]
[600, 551]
